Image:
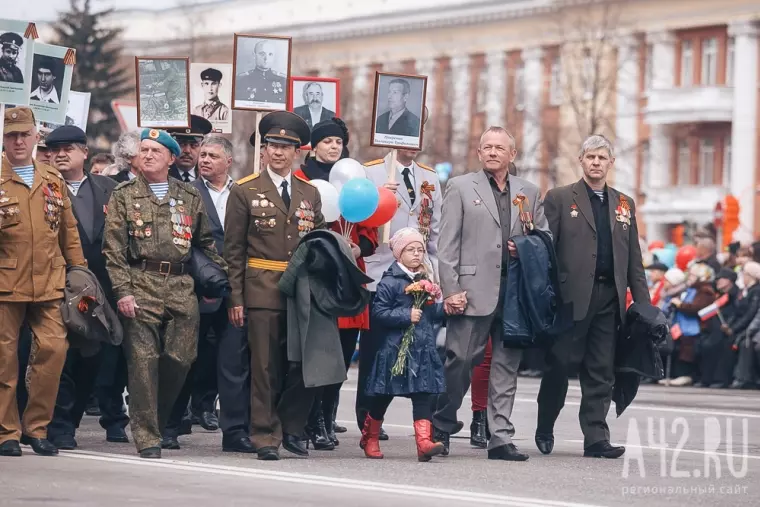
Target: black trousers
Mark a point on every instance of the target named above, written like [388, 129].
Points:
[590, 346]
[109, 387]
[422, 406]
[326, 398]
[368, 347]
[234, 382]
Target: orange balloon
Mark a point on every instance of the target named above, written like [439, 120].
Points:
[386, 208]
[684, 256]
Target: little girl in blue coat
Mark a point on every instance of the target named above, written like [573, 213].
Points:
[422, 379]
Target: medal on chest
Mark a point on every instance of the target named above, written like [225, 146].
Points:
[623, 213]
[305, 216]
[53, 200]
[182, 224]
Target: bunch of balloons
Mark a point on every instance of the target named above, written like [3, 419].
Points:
[349, 194]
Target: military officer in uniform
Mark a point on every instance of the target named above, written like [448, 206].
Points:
[153, 221]
[38, 239]
[212, 108]
[262, 84]
[11, 46]
[267, 215]
[185, 168]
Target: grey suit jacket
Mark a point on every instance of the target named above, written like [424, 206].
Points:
[575, 241]
[470, 239]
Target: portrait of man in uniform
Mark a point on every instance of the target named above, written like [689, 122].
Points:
[261, 73]
[399, 102]
[211, 94]
[163, 92]
[11, 44]
[315, 99]
[47, 79]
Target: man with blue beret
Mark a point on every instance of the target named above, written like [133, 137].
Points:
[153, 222]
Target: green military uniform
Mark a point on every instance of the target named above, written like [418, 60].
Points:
[261, 86]
[147, 245]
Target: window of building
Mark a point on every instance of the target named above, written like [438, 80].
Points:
[706, 162]
[684, 163]
[520, 87]
[687, 63]
[730, 52]
[555, 87]
[648, 67]
[709, 62]
[727, 162]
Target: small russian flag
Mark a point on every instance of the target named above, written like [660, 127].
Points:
[710, 311]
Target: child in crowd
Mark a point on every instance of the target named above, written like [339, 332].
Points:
[393, 312]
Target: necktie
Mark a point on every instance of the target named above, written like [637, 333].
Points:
[409, 186]
[285, 194]
[186, 177]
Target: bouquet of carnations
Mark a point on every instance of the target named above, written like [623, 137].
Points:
[424, 293]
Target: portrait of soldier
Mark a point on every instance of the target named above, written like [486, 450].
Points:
[212, 108]
[262, 83]
[11, 43]
[398, 120]
[312, 110]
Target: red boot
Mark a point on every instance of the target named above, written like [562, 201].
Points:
[370, 441]
[423, 435]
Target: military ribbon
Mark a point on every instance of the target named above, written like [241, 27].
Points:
[70, 58]
[31, 31]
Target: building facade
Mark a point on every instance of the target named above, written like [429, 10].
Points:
[675, 84]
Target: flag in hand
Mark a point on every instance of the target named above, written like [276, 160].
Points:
[710, 311]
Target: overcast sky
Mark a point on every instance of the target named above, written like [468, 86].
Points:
[47, 10]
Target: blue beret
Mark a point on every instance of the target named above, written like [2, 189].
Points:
[161, 137]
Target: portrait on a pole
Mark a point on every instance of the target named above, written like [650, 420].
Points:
[162, 92]
[211, 94]
[399, 103]
[52, 67]
[16, 55]
[315, 99]
[261, 72]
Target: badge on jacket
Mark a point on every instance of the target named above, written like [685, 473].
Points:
[574, 211]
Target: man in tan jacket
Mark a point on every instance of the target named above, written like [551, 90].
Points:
[38, 238]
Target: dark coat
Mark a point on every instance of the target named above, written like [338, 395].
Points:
[636, 354]
[391, 317]
[175, 173]
[303, 112]
[120, 177]
[321, 283]
[217, 231]
[533, 310]
[408, 124]
[746, 309]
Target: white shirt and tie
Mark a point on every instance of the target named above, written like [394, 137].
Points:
[219, 197]
[282, 184]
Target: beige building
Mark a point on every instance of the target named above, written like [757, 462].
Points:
[675, 83]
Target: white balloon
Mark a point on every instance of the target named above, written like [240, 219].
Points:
[345, 170]
[329, 196]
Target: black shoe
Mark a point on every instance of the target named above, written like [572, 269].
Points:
[294, 444]
[93, 408]
[316, 432]
[117, 435]
[383, 434]
[478, 436]
[457, 428]
[338, 428]
[507, 453]
[545, 442]
[209, 421]
[64, 442]
[151, 453]
[442, 437]
[603, 449]
[41, 446]
[242, 444]
[10, 448]
[330, 428]
[186, 427]
[170, 443]
[268, 454]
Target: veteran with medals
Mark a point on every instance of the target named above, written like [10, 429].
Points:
[153, 221]
[267, 215]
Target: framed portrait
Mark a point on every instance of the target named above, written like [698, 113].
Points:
[398, 110]
[261, 72]
[16, 56]
[211, 94]
[163, 98]
[50, 83]
[314, 99]
[77, 111]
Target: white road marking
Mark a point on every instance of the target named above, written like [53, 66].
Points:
[325, 481]
[674, 448]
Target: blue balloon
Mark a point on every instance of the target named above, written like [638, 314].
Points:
[666, 256]
[358, 200]
[671, 246]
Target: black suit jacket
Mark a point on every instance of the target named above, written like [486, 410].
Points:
[92, 247]
[408, 124]
[121, 176]
[174, 172]
[217, 232]
[303, 112]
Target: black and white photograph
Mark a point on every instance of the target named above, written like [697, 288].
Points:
[315, 99]
[211, 94]
[50, 83]
[399, 103]
[163, 98]
[261, 72]
[16, 54]
[77, 111]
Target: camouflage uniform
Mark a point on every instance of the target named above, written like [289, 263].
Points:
[160, 343]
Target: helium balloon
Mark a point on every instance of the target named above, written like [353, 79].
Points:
[685, 255]
[665, 256]
[345, 170]
[654, 245]
[358, 200]
[329, 196]
[386, 208]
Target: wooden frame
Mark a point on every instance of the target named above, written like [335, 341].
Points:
[285, 90]
[396, 140]
[162, 125]
[309, 79]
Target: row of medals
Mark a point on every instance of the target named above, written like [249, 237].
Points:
[53, 203]
[137, 217]
[181, 224]
[10, 210]
[262, 202]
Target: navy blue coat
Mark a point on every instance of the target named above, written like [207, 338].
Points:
[391, 317]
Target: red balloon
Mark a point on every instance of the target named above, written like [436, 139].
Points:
[684, 256]
[654, 245]
[386, 208]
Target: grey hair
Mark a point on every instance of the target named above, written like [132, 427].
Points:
[495, 129]
[596, 142]
[707, 243]
[309, 85]
[217, 140]
[125, 148]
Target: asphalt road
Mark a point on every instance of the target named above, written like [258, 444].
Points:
[704, 430]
